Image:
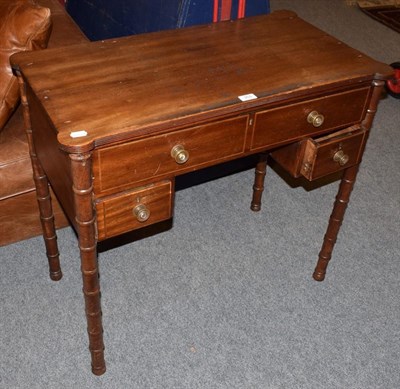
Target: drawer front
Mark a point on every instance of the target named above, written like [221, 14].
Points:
[170, 154]
[135, 209]
[332, 153]
[298, 120]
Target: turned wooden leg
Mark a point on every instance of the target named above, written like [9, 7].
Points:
[86, 226]
[43, 195]
[335, 221]
[48, 226]
[259, 179]
[345, 188]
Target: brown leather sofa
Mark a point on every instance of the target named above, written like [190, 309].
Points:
[19, 216]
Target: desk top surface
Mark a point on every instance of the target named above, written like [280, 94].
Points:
[129, 87]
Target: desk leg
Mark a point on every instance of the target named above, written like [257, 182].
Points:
[42, 194]
[258, 187]
[86, 225]
[345, 188]
[335, 221]
[48, 226]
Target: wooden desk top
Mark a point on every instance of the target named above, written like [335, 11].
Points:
[130, 87]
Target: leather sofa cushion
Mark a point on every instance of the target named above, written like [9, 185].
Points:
[24, 25]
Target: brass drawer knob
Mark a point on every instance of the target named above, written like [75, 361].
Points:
[315, 118]
[341, 158]
[141, 212]
[180, 155]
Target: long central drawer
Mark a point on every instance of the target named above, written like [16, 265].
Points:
[173, 153]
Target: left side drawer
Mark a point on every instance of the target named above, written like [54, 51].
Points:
[134, 209]
[124, 165]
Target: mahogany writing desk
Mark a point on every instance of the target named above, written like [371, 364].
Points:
[112, 123]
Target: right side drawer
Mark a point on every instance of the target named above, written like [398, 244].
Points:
[315, 158]
[332, 153]
[309, 118]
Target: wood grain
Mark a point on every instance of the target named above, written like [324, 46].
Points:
[134, 99]
[150, 82]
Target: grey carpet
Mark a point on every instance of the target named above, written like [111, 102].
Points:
[225, 298]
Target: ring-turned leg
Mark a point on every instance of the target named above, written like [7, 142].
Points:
[42, 195]
[335, 221]
[85, 222]
[48, 226]
[345, 188]
[259, 179]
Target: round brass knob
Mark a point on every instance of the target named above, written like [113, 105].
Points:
[315, 118]
[180, 155]
[341, 158]
[141, 212]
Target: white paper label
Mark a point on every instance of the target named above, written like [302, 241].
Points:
[78, 134]
[249, 96]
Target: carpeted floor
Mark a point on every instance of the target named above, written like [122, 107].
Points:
[225, 298]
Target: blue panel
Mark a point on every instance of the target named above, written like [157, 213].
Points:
[102, 19]
[194, 12]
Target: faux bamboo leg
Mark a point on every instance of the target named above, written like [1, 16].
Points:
[43, 195]
[48, 226]
[345, 188]
[86, 226]
[335, 221]
[259, 179]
